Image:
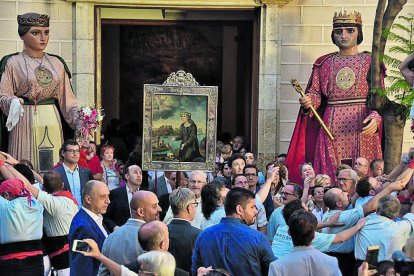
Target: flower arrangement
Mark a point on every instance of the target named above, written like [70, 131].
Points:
[89, 120]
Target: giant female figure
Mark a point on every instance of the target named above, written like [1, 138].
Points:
[32, 82]
[338, 87]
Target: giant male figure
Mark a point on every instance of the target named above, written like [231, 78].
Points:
[338, 89]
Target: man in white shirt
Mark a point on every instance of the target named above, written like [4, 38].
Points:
[60, 208]
[304, 260]
[122, 246]
[73, 176]
[87, 224]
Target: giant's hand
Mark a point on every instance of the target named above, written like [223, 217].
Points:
[15, 112]
[371, 127]
[305, 102]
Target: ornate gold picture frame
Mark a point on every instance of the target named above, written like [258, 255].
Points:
[179, 126]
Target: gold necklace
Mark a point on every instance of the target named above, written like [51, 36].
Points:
[43, 75]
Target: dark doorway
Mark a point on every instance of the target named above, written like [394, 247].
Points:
[217, 53]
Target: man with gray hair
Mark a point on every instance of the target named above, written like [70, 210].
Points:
[159, 263]
[382, 230]
[196, 182]
[347, 180]
[182, 235]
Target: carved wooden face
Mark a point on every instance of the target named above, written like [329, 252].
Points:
[36, 39]
[345, 37]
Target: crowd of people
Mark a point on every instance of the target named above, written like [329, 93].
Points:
[220, 223]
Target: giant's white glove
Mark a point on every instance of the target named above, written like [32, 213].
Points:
[15, 112]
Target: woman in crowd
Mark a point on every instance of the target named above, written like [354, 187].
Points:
[212, 203]
[110, 170]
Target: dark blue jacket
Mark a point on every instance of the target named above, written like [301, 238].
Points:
[84, 227]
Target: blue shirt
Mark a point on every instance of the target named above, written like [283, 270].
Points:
[389, 235]
[20, 221]
[276, 220]
[233, 246]
[282, 243]
[74, 183]
[349, 218]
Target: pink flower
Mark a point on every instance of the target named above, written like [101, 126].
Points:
[87, 118]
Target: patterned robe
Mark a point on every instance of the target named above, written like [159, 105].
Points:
[19, 80]
[341, 81]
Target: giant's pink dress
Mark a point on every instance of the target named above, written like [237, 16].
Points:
[341, 81]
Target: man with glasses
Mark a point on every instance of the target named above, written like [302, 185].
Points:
[74, 176]
[338, 88]
[289, 192]
[182, 235]
[251, 172]
[347, 180]
[196, 182]
[361, 166]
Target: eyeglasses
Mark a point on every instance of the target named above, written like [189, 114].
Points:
[72, 151]
[250, 175]
[198, 182]
[195, 203]
[286, 194]
[241, 182]
[344, 179]
[360, 164]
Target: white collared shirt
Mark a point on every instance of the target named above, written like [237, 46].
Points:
[167, 183]
[98, 219]
[74, 182]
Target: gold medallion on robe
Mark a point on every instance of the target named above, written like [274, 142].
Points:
[345, 78]
[43, 76]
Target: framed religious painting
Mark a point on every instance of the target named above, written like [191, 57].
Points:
[179, 125]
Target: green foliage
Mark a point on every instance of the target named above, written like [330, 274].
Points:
[401, 33]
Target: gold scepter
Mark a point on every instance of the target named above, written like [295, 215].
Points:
[299, 89]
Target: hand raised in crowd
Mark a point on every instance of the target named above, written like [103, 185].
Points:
[398, 185]
[273, 174]
[305, 102]
[371, 126]
[364, 270]
[307, 182]
[9, 159]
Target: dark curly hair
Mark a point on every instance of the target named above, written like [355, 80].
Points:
[210, 196]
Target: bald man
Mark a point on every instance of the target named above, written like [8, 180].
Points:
[122, 246]
[87, 224]
[119, 211]
[361, 166]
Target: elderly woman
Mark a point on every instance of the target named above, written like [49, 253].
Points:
[32, 81]
[110, 170]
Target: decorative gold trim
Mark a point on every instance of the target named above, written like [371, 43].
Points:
[181, 78]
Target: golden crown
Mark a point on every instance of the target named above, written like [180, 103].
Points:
[350, 18]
